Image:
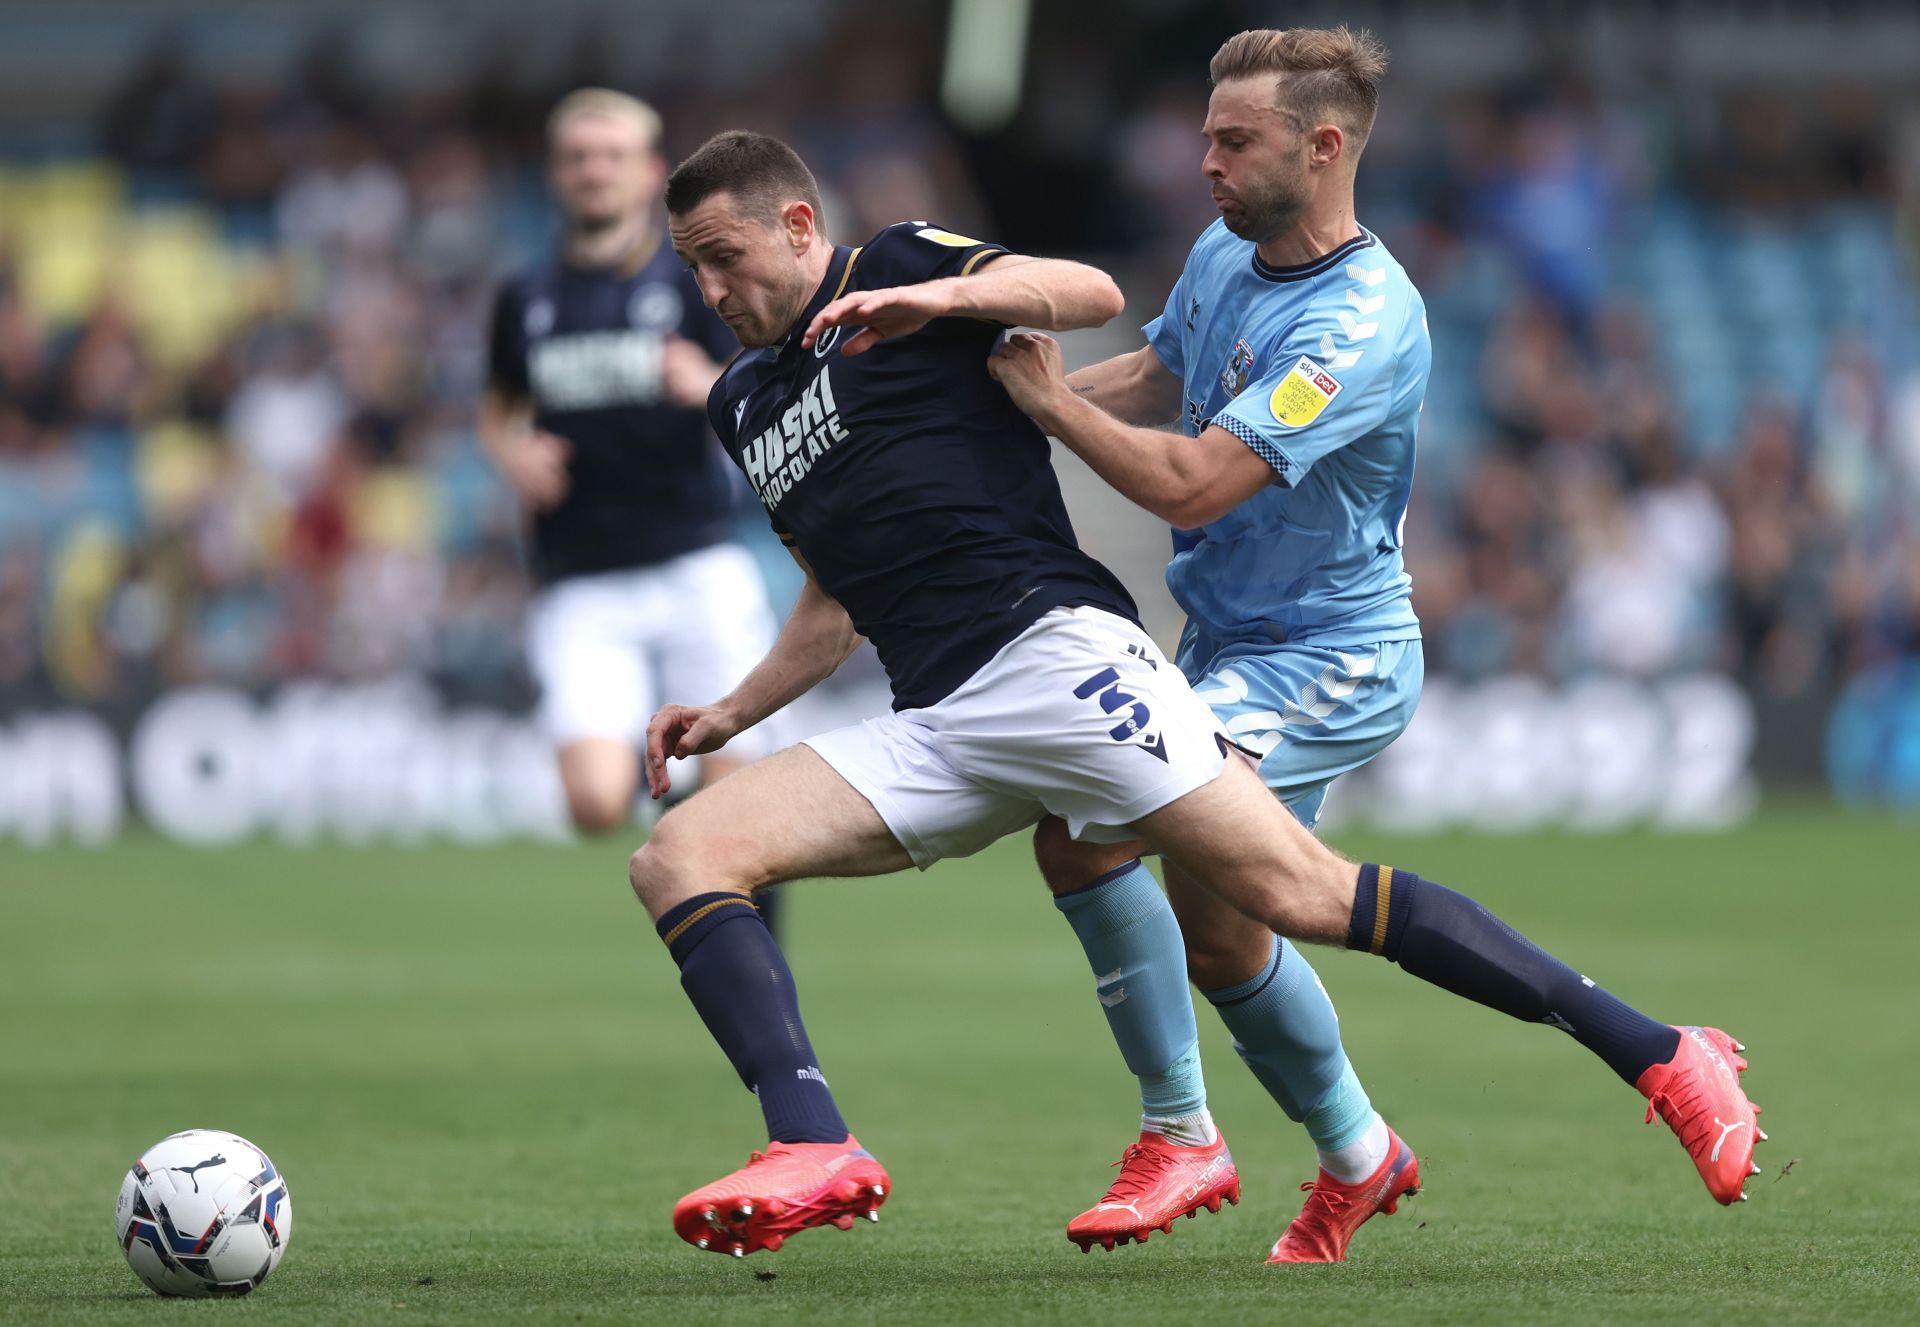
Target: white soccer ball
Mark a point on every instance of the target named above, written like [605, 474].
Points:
[203, 1213]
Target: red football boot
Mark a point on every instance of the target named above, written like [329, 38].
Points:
[782, 1191]
[1158, 1181]
[1698, 1094]
[1335, 1210]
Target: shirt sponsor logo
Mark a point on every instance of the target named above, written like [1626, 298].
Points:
[594, 370]
[1302, 394]
[782, 455]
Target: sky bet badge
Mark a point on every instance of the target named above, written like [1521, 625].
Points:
[1239, 368]
[1303, 394]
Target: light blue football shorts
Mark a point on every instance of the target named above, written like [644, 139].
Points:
[1309, 712]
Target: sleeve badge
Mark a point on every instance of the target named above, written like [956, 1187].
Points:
[946, 237]
[1302, 394]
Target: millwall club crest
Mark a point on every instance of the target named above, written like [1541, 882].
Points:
[1233, 379]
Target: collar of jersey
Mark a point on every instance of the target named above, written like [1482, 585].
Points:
[628, 265]
[832, 286]
[1314, 267]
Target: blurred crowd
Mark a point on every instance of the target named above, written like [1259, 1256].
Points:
[1674, 422]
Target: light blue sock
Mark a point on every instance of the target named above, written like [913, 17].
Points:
[1180, 1089]
[1284, 1027]
[1139, 965]
[1342, 1116]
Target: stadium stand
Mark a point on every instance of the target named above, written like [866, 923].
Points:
[1674, 422]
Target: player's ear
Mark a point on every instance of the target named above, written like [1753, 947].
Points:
[800, 224]
[1325, 144]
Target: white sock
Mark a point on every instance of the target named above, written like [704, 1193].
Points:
[1195, 1130]
[1361, 1157]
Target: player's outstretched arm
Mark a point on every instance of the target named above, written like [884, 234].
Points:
[1135, 388]
[1008, 288]
[1049, 293]
[1186, 482]
[817, 638]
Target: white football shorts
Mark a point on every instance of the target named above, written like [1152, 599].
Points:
[608, 649]
[1080, 716]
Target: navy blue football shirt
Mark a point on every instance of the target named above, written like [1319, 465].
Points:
[922, 498]
[646, 482]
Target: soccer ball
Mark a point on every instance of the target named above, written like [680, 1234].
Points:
[203, 1213]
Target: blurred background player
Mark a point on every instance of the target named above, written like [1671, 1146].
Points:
[601, 360]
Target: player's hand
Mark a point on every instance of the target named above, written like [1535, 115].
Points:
[1029, 366]
[879, 314]
[535, 464]
[681, 731]
[687, 373]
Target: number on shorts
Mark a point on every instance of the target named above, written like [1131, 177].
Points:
[1106, 683]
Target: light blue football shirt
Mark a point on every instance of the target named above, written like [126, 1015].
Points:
[1320, 369]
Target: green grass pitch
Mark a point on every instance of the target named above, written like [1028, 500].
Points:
[478, 1073]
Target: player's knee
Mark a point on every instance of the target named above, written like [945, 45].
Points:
[1227, 956]
[645, 874]
[1052, 854]
[1067, 865]
[663, 871]
[688, 854]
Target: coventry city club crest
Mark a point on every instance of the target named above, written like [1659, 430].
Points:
[1233, 379]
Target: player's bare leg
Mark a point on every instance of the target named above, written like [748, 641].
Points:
[779, 819]
[770, 899]
[787, 817]
[716, 765]
[1225, 947]
[601, 776]
[1240, 844]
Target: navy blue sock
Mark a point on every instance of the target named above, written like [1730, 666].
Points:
[1453, 942]
[771, 903]
[738, 979]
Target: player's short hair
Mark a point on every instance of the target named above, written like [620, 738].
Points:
[607, 102]
[763, 175]
[1324, 74]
